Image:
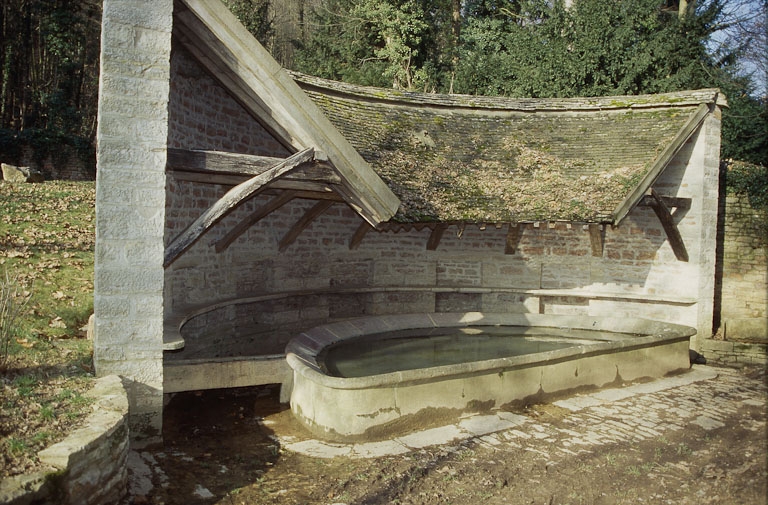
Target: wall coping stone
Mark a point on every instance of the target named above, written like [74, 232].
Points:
[71, 459]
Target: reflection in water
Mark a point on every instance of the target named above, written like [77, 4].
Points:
[425, 348]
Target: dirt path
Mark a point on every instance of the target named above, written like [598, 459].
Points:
[698, 443]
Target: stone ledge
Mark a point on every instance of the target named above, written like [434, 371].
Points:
[88, 467]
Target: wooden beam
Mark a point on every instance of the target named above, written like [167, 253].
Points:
[217, 162]
[671, 202]
[230, 201]
[436, 236]
[514, 232]
[234, 180]
[254, 218]
[230, 53]
[670, 228]
[597, 239]
[359, 235]
[303, 223]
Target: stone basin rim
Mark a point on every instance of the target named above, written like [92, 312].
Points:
[303, 350]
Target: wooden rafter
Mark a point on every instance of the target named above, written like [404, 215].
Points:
[597, 239]
[661, 162]
[668, 223]
[213, 35]
[304, 222]
[233, 198]
[253, 218]
[514, 232]
[225, 163]
[436, 236]
[359, 235]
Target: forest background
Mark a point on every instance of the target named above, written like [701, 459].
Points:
[49, 52]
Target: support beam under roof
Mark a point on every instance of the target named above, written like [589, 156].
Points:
[227, 203]
[303, 223]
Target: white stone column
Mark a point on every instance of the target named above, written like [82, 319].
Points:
[130, 204]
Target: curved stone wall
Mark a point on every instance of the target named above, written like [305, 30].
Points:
[89, 466]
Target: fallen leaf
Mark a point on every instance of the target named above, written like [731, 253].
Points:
[23, 342]
[57, 323]
[58, 295]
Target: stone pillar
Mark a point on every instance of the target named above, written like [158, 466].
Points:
[130, 204]
[709, 195]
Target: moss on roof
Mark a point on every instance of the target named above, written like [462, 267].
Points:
[458, 158]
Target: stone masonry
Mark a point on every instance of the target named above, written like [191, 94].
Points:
[130, 211]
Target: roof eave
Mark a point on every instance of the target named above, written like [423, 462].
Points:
[661, 161]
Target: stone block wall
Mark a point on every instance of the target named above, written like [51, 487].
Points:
[744, 281]
[130, 202]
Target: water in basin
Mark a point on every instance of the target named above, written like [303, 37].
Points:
[424, 348]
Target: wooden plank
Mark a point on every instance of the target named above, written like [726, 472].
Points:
[359, 235]
[661, 162]
[303, 223]
[253, 218]
[229, 202]
[670, 201]
[231, 54]
[234, 180]
[217, 162]
[514, 232]
[436, 236]
[670, 228]
[597, 239]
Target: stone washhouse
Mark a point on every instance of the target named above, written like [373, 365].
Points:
[238, 204]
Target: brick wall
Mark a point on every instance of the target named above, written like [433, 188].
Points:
[202, 115]
[637, 276]
[68, 165]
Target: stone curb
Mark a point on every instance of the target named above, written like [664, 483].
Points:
[481, 425]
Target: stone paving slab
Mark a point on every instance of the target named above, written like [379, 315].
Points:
[705, 396]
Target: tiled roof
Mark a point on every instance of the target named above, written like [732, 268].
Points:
[489, 159]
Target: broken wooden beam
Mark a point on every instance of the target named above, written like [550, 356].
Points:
[231, 200]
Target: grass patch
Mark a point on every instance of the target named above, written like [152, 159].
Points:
[46, 247]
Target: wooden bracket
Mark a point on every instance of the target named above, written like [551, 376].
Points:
[597, 239]
[231, 200]
[514, 232]
[436, 236]
[668, 223]
[359, 235]
[303, 223]
[253, 218]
